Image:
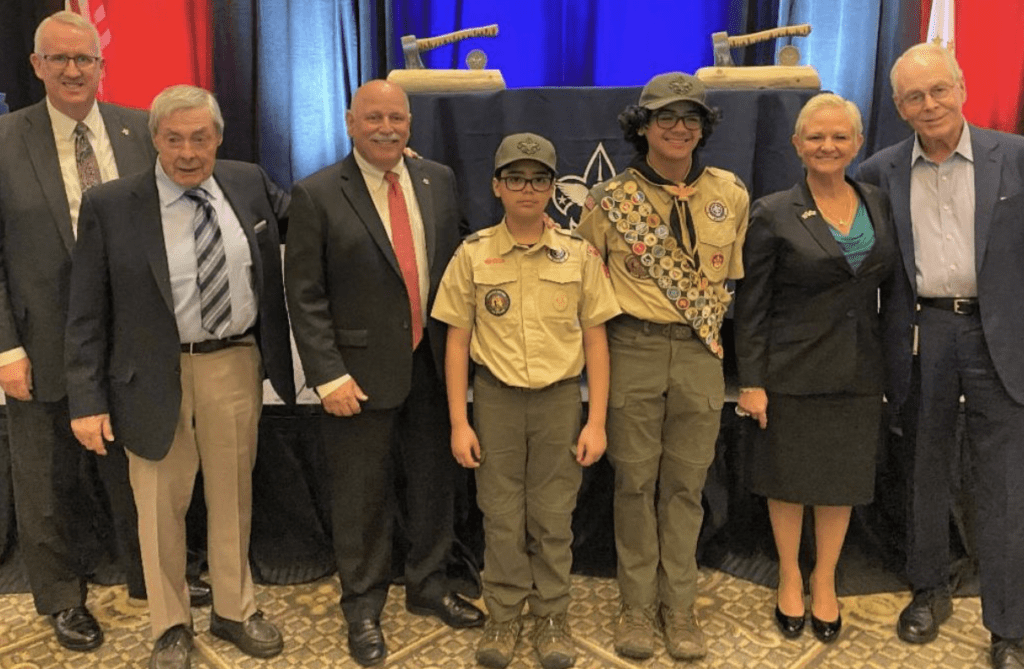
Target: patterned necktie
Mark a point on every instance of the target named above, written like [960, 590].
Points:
[401, 239]
[214, 291]
[85, 159]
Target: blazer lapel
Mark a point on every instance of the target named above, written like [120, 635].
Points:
[149, 228]
[817, 227]
[883, 244]
[899, 199]
[239, 201]
[42, 151]
[353, 188]
[127, 149]
[425, 197]
[988, 164]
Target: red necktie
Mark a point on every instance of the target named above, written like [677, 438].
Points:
[405, 251]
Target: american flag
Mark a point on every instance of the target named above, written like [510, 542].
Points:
[96, 12]
[941, 23]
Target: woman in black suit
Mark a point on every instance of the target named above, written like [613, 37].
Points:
[809, 352]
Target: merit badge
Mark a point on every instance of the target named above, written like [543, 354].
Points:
[639, 248]
[647, 259]
[678, 254]
[622, 225]
[625, 207]
[675, 273]
[642, 228]
[655, 271]
[629, 187]
[607, 203]
[661, 231]
[670, 244]
[673, 293]
[631, 237]
[619, 195]
[497, 302]
[633, 217]
[614, 215]
[589, 203]
[650, 238]
[561, 301]
[558, 255]
[653, 219]
[717, 260]
[667, 263]
[658, 250]
[635, 267]
[716, 211]
[646, 209]
[682, 303]
[637, 197]
[664, 282]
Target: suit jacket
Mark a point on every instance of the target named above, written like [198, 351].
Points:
[123, 351]
[36, 240]
[998, 255]
[346, 295]
[806, 323]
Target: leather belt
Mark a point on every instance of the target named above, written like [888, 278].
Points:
[964, 306]
[667, 330]
[214, 345]
[485, 373]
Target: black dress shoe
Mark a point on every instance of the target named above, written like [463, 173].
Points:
[1007, 653]
[366, 642]
[920, 621]
[173, 650]
[451, 609]
[254, 636]
[826, 632]
[199, 593]
[790, 626]
[76, 629]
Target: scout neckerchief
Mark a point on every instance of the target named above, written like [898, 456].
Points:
[660, 255]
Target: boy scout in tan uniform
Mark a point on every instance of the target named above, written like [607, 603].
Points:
[671, 232]
[528, 304]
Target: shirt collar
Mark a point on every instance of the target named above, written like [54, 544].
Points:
[963, 147]
[506, 242]
[170, 191]
[374, 175]
[64, 126]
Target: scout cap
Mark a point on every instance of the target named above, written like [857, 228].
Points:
[670, 87]
[525, 146]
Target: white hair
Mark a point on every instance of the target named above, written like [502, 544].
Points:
[67, 18]
[183, 96]
[822, 100]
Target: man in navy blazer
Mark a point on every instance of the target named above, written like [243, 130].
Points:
[166, 354]
[953, 323]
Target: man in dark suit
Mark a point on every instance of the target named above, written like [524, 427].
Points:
[176, 308]
[52, 152]
[368, 242]
[952, 324]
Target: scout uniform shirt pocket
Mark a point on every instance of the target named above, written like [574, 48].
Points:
[558, 297]
[498, 302]
[715, 241]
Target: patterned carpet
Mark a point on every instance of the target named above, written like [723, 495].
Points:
[736, 616]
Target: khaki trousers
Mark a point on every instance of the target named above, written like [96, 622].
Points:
[221, 400]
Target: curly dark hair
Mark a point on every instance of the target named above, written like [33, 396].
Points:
[634, 117]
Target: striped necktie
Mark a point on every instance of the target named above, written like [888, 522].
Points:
[214, 291]
[85, 159]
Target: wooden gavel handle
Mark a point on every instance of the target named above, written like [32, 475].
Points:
[428, 43]
[799, 30]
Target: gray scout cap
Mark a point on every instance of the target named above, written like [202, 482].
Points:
[525, 146]
[670, 87]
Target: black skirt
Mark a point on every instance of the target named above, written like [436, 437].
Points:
[818, 449]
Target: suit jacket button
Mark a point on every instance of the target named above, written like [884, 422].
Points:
[851, 313]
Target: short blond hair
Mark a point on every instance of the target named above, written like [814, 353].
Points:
[67, 18]
[823, 100]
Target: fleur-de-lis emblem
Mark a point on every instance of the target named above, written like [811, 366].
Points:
[680, 86]
[528, 146]
[807, 214]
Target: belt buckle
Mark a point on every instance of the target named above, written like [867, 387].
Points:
[962, 306]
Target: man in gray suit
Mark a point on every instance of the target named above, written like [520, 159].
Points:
[952, 327]
[52, 152]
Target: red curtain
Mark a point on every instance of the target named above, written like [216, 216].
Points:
[988, 38]
[150, 45]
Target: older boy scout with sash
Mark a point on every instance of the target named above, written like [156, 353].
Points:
[528, 304]
[671, 231]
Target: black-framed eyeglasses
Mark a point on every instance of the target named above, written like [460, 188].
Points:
[667, 119]
[516, 182]
[60, 60]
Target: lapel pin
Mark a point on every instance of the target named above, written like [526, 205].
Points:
[426, 181]
[125, 132]
[807, 214]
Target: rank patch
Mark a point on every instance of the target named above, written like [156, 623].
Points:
[497, 302]
[716, 211]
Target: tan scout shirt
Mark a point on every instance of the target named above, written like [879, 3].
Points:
[718, 207]
[527, 306]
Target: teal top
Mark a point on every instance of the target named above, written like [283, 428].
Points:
[858, 243]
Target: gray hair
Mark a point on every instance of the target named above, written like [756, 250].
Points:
[183, 96]
[822, 100]
[928, 48]
[67, 18]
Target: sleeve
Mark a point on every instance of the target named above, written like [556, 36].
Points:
[456, 296]
[752, 316]
[598, 304]
[736, 265]
[592, 224]
[87, 336]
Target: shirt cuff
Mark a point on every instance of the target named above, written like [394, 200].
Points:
[329, 387]
[751, 389]
[14, 355]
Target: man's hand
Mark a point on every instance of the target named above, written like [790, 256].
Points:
[755, 403]
[410, 153]
[591, 445]
[345, 399]
[16, 379]
[93, 432]
[465, 446]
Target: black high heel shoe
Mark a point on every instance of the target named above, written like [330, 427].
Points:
[826, 632]
[790, 626]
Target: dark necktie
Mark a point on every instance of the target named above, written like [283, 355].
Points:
[401, 239]
[85, 159]
[214, 291]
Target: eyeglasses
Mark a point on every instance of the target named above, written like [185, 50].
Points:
[59, 61]
[938, 92]
[667, 120]
[518, 183]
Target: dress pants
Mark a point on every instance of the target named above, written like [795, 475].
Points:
[954, 361]
[222, 394]
[366, 453]
[664, 410]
